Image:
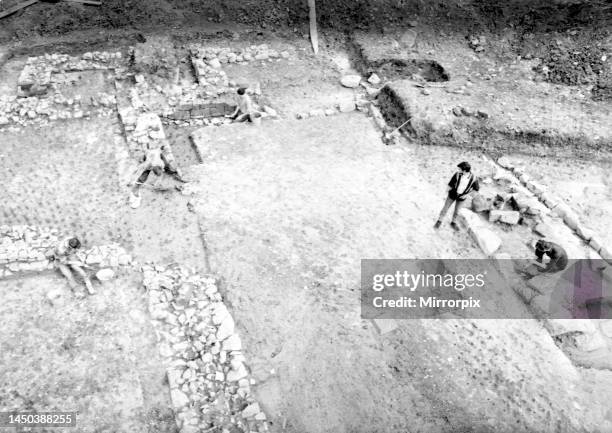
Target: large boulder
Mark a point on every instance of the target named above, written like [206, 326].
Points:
[511, 217]
[487, 240]
[480, 203]
[350, 81]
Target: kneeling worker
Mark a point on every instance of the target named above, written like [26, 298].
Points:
[156, 160]
[65, 260]
[556, 254]
[244, 109]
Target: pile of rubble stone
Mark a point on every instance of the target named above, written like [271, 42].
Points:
[35, 110]
[215, 56]
[36, 75]
[38, 100]
[144, 131]
[208, 75]
[210, 385]
[23, 248]
[199, 104]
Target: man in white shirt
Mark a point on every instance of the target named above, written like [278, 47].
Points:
[461, 184]
[245, 108]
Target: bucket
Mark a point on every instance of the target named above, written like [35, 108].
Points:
[256, 119]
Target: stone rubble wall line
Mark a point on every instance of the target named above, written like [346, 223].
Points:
[560, 208]
[38, 70]
[40, 75]
[39, 111]
[341, 107]
[23, 249]
[210, 385]
[215, 56]
[591, 335]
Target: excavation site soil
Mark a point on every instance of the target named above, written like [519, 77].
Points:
[229, 300]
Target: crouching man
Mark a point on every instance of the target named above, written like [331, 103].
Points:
[557, 259]
[245, 108]
[65, 260]
[158, 161]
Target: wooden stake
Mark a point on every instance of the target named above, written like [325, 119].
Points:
[14, 9]
[314, 36]
[86, 2]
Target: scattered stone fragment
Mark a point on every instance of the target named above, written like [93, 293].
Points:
[226, 328]
[54, 295]
[179, 399]
[105, 274]
[350, 81]
[374, 79]
[214, 63]
[251, 410]
[480, 203]
[318, 112]
[506, 216]
[346, 106]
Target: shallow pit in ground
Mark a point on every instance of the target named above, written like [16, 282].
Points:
[392, 108]
[390, 69]
[393, 60]
[182, 147]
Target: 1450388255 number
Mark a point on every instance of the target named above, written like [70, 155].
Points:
[38, 419]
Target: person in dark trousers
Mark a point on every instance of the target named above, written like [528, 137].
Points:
[157, 160]
[461, 184]
[556, 254]
[557, 259]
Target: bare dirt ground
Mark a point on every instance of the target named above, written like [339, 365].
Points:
[283, 214]
[96, 356]
[296, 298]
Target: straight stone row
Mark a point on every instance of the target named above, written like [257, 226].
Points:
[23, 248]
[210, 385]
[561, 209]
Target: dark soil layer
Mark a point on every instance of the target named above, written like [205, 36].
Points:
[539, 15]
[570, 57]
[493, 140]
[570, 38]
